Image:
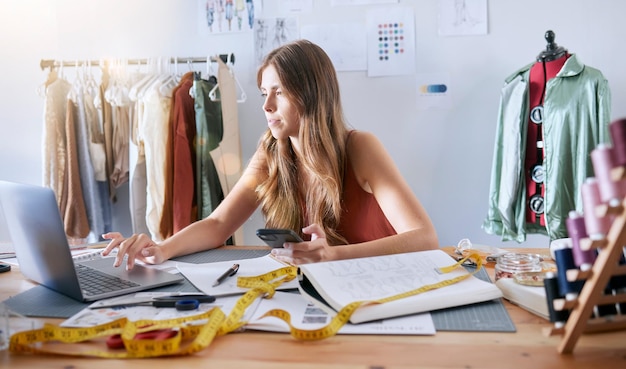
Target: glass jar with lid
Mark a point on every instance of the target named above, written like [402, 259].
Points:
[513, 263]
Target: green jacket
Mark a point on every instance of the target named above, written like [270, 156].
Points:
[575, 120]
[209, 134]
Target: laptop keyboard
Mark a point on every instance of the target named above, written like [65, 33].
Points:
[94, 282]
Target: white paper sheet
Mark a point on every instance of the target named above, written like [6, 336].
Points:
[202, 276]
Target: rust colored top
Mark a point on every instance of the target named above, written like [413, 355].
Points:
[362, 218]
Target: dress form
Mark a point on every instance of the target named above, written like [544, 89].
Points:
[549, 63]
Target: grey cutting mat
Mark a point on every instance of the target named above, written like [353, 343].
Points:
[40, 301]
[488, 316]
[215, 255]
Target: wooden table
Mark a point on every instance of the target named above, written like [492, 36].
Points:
[527, 348]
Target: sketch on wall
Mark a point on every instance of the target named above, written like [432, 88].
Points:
[462, 17]
[227, 16]
[270, 33]
[345, 43]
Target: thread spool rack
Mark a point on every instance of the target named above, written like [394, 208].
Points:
[610, 249]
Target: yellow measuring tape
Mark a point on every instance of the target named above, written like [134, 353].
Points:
[346, 312]
[195, 333]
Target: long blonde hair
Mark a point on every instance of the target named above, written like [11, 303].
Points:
[309, 81]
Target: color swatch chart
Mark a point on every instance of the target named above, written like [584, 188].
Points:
[390, 40]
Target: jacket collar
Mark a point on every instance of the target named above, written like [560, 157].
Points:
[572, 67]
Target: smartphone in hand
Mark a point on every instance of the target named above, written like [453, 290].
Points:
[4, 267]
[277, 237]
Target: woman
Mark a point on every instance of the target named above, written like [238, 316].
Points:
[338, 188]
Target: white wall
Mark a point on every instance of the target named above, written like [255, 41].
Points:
[444, 154]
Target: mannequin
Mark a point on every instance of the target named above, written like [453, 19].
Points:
[549, 63]
[564, 105]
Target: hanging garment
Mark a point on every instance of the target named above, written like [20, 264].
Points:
[117, 95]
[227, 156]
[107, 128]
[55, 110]
[209, 133]
[575, 120]
[138, 184]
[73, 149]
[120, 141]
[96, 136]
[153, 131]
[180, 200]
[86, 177]
[98, 161]
[73, 210]
[166, 227]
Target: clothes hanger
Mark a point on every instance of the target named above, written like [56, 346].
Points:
[77, 84]
[171, 82]
[111, 89]
[213, 93]
[231, 61]
[192, 89]
[117, 91]
[136, 90]
[121, 97]
[91, 86]
[97, 96]
[163, 74]
[197, 75]
[52, 76]
[209, 68]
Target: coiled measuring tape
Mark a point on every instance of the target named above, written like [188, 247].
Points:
[195, 333]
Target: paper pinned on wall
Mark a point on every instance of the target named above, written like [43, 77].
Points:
[462, 17]
[270, 33]
[390, 41]
[344, 43]
[216, 17]
[433, 91]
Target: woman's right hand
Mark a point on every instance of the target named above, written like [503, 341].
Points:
[137, 247]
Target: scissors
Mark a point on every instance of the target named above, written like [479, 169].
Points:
[180, 302]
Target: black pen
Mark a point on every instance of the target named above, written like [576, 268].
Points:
[229, 273]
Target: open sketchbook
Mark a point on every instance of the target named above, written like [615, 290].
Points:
[335, 284]
[303, 315]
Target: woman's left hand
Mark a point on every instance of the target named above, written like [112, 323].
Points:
[309, 251]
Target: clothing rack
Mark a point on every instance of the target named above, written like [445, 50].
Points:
[51, 63]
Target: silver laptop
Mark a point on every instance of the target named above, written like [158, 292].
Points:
[44, 256]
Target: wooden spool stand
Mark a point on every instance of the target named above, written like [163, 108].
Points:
[596, 279]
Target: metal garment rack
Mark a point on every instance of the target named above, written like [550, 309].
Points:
[51, 63]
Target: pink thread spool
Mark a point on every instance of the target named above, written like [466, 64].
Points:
[611, 192]
[576, 230]
[597, 227]
[618, 136]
